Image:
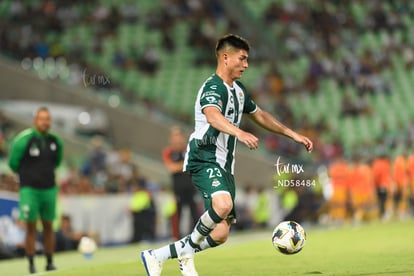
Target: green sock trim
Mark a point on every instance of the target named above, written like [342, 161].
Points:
[202, 229]
[211, 242]
[173, 251]
[193, 245]
[213, 215]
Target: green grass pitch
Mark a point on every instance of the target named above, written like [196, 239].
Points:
[369, 249]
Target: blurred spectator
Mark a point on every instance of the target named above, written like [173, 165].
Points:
[408, 55]
[8, 182]
[244, 213]
[167, 41]
[12, 238]
[339, 175]
[112, 20]
[381, 168]
[361, 191]
[353, 108]
[401, 179]
[119, 60]
[149, 61]
[69, 182]
[121, 170]
[183, 188]
[315, 71]
[143, 213]
[40, 47]
[96, 161]
[165, 201]
[410, 167]
[129, 11]
[66, 237]
[84, 186]
[100, 13]
[377, 18]
[261, 212]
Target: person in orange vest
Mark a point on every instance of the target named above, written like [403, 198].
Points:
[410, 167]
[381, 169]
[339, 174]
[400, 177]
[361, 189]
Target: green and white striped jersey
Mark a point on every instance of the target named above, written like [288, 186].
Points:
[207, 144]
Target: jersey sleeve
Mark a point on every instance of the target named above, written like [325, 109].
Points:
[249, 105]
[19, 145]
[212, 95]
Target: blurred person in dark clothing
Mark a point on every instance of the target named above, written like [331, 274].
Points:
[66, 237]
[183, 188]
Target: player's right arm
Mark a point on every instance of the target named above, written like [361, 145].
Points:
[219, 122]
[18, 148]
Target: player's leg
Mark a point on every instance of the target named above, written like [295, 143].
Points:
[382, 199]
[218, 236]
[397, 200]
[213, 189]
[29, 211]
[221, 207]
[30, 244]
[185, 248]
[49, 243]
[47, 210]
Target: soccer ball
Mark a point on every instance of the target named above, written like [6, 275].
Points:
[289, 237]
[87, 247]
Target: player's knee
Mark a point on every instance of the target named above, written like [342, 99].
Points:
[223, 207]
[222, 204]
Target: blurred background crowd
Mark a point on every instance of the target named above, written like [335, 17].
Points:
[339, 71]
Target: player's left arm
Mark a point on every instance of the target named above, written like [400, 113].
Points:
[270, 123]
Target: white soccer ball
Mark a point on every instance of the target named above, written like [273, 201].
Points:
[289, 237]
[87, 246]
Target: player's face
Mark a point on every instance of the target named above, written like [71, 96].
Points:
[42, 121]
[236, 63]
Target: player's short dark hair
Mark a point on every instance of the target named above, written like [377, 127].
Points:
[40, 109]
[233, 41]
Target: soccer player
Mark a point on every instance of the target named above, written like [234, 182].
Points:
[209, 159]
[34, 155]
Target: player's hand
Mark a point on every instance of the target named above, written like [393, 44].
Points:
[251, 141]
[305, 141]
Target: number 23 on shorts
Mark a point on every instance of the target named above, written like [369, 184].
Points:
[214, 172]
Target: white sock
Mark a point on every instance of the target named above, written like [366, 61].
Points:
[199, 238]
[204, 226]
[163, 253]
